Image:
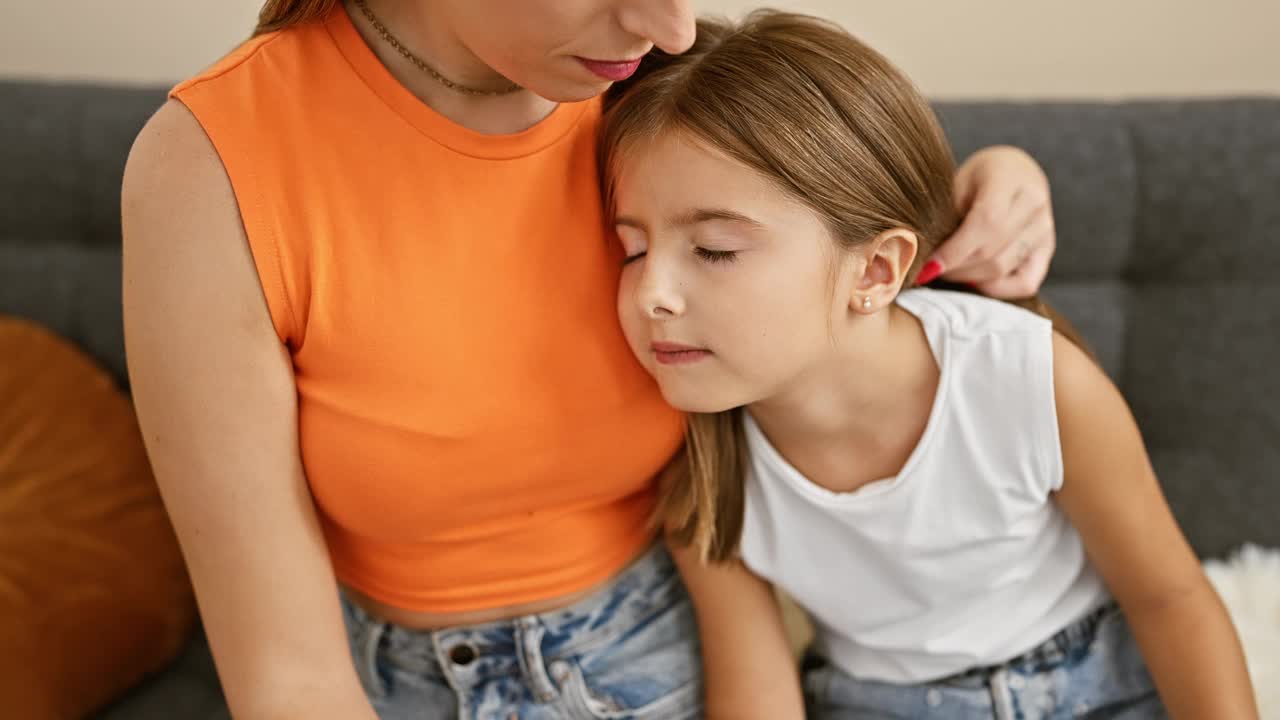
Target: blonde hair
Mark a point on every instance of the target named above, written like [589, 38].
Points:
[832, 123]
[280, 14]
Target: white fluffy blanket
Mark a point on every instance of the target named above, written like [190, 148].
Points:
[1249, 583]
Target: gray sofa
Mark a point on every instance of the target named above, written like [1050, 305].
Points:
[1169, 228]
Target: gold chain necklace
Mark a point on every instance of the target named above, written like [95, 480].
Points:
[420, 63]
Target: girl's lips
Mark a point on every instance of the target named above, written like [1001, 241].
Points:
[610, 70]
[676, 354]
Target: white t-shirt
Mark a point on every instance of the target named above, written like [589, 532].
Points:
[963, 560]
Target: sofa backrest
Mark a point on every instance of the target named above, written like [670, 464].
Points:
[1168, 218]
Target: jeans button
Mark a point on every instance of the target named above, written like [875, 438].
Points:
[933, 697]
[463, 654]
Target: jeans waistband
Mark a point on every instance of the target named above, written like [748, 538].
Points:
[646, 587]
[1072, 639]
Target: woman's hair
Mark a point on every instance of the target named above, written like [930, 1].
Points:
[831, 123]
[280, 14]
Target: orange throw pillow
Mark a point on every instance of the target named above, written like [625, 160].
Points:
[93, 591]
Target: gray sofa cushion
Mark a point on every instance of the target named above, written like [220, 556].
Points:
[62, 152]
[1168, 262]
[1169, 226]
[187, 690]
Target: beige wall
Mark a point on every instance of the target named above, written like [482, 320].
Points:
[979, 48]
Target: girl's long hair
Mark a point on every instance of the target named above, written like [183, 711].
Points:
[832, 123]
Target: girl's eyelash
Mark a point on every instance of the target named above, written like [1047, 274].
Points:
[716, 256]
[711, 256]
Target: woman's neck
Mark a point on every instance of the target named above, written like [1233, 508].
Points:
[863, 406]
[416, 25]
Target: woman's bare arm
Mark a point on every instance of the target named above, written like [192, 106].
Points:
[215, 396]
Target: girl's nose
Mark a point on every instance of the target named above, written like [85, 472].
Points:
[658, 293]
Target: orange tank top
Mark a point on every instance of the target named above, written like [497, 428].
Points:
[474, 429]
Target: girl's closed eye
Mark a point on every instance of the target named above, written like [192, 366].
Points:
[633, 242]
[715, 256]
[714, 245]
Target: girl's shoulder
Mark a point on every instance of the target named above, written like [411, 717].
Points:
[968, 316]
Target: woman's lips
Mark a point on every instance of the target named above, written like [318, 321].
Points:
[611, 70]
[668, 353]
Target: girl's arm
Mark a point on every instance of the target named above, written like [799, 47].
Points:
[1111, 495]
[748, 665]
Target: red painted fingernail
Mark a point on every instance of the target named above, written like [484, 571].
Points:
[929, 272]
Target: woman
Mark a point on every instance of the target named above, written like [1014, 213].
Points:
[370, 320]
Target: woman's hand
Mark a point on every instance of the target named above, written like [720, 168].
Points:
[1006, 240]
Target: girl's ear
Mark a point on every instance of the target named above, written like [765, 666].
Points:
[888, 261]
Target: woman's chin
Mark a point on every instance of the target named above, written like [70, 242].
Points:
[566, 89]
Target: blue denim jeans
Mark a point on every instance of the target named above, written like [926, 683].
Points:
[628, 652]
[1091, 669]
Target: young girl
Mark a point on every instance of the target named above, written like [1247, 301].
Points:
[953, 490]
